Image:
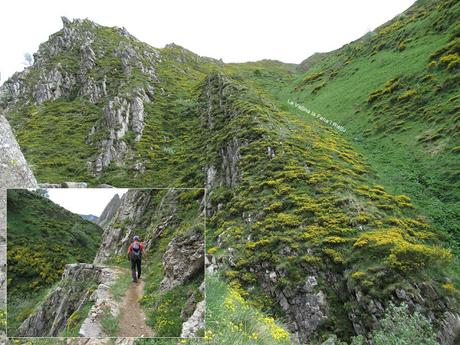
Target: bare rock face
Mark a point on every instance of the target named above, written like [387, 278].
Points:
[14, 171]
[119, 228]
[121, 116]
[230, 154]
[183, 259]
[69, 296]
[53, 84]
[117, 233]
[305, 305]
[109, 211]
[195, 323]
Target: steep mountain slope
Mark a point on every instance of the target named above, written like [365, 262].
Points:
[42, 238]
[396, 91]
[94, 96]
[305, 226]
[299, 225]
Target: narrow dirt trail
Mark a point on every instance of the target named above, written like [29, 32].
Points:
[132, 321]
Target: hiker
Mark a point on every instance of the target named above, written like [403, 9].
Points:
[135, 252]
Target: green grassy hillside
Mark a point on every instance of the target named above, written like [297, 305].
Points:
[42, 238]
[396, 91]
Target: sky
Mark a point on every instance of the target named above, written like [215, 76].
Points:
[84, 200]
[235, 31]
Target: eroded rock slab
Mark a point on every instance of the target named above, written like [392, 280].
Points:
[69, 296]
[103, 303]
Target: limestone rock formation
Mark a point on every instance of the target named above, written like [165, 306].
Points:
[183, 258]
[14, 171]
[123, 107]
[195, 323]
[109, 211]
[68, 297]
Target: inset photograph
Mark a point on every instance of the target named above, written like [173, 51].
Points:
[105, 262]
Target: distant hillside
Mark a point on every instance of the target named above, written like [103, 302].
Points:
[90, 217]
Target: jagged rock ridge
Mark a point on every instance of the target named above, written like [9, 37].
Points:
[109, 211]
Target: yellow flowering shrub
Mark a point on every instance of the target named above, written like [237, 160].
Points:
[401, 250]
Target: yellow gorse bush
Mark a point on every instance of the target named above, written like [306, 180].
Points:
[401, 250]
[276, 332]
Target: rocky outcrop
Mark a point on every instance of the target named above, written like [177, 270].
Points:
[69, 65]
[103, 303]
[230, 154]
[120, 117]
[217, 101]
[109, 211]
[14, 171]
[183, 259]
[53, 84]
[195, 323]
[305, 305]
[120, 229]
[68, 297]
[80, 284]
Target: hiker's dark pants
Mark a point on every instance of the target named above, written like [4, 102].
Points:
[136, 263]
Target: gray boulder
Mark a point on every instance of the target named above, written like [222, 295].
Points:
[183, 259]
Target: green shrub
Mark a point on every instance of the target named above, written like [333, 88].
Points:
[399, 327]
